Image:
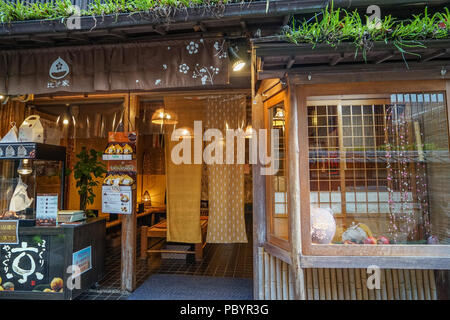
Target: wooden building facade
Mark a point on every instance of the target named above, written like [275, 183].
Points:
[335, 107]
[363, 140]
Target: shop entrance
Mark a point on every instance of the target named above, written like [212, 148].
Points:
[172, 229]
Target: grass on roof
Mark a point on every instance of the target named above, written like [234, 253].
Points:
[334, 26]
[23, 10]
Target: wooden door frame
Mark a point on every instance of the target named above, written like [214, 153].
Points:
[278, 98]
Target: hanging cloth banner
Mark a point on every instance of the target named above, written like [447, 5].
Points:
[226, 181]
[141, 66]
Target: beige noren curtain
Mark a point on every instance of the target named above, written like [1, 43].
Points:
[226, 181]
[183, 180]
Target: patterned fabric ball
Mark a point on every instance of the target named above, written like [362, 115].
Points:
[323, 225]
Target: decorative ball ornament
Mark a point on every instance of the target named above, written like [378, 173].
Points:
[323, 225]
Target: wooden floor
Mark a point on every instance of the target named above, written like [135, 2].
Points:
[220, 260]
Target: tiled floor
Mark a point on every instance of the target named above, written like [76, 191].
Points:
[221, 260]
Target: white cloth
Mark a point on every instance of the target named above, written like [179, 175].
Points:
[20, 200]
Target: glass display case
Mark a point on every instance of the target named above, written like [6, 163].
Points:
[40, 264]
[27, 169]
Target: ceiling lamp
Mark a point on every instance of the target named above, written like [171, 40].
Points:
[237, 62]
[65, 117]
[162, 116]
[25, 167]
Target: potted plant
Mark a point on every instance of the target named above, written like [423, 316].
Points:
[86, 172]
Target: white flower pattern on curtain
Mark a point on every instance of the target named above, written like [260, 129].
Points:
[226, 181]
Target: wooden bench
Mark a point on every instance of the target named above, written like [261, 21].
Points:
[159, 231]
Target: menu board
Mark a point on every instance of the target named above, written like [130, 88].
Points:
[46, 209]
[117, 199]
[121, 177]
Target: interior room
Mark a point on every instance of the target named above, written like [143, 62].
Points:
[193, 219]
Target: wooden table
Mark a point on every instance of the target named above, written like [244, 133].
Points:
[147, 212]
[159, 230]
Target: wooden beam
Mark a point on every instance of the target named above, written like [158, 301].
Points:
[336, 59]
[433, 55]
[129, 221]
[117, 34]
[162, 30]
[259, 191]
[385, 57]
[385, 262]
[77, 36]
[40, 39]
[286, 19]
[278, 253]
[395, 70]
[293, 155]
[272, 48]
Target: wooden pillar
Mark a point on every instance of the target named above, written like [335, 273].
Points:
[129, 222]
[294, 192]
[259, 194]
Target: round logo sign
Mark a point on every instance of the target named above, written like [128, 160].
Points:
[59, 69]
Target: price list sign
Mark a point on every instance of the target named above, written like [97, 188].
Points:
[46, 209]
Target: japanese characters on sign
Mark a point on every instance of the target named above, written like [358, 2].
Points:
[25, 266]
[9, 231]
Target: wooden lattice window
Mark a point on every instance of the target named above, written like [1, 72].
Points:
[380, 163]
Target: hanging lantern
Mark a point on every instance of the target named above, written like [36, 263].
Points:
[146, 198]
[163, 117]
[25, 167]
[65, 118]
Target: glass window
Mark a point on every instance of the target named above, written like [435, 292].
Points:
[379, 170]
[277, 183]
[84, 124]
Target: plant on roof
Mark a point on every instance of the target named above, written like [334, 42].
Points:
[334, 26]
[22, 10]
